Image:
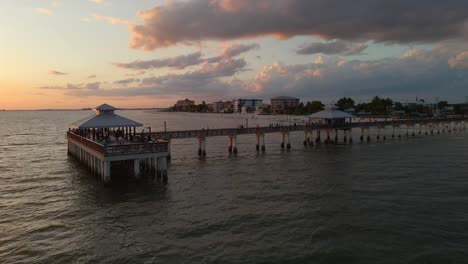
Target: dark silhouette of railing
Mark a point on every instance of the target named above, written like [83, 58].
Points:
[122, 149]
[86, 142]
[129, 149]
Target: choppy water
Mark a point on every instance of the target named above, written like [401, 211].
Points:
[400, 201]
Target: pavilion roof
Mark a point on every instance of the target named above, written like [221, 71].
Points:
[105, 107]
[105, 118]
[330, 112]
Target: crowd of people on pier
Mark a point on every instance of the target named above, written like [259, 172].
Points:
[106, 136]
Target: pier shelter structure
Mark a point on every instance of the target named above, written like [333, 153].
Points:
[108, 143]
[335, 119]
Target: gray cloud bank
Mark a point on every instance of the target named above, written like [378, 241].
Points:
[397, 21]
[440, 72]
[184, 61]
[332, 48]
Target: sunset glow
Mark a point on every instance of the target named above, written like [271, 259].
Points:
[151, 53]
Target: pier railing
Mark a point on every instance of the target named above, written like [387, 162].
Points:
[86, 142]
[130, 149]
[290, 128]
[122, 149]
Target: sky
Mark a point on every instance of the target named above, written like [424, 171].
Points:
[151, 53]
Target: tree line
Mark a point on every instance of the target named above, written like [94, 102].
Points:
[377, 106]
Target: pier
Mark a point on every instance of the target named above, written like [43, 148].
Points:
[109, 144]
[335, 126]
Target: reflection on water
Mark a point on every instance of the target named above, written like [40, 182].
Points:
[380, 202]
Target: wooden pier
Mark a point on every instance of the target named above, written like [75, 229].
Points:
[106, 140]
[331, 131]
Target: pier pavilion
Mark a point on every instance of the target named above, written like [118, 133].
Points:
[108, 144]
[332, 117]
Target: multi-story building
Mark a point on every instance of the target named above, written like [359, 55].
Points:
[262, 109]
[218, 107]
[222, 107]
[249, 104]
[184, 104]
[281, 104]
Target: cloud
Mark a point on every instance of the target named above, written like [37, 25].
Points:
[65, 87]
[99, 2]
[416, 73]
[74, 87]
[179, 62]
[91, 76]
[420, 21]
[44, 11]
[126, 81]
[92, 86]
[459, 61]
[205, 81]
[237, 49]
[52, 72]
[437, 72]
[332, 48]
[109, 19]
[192, 59]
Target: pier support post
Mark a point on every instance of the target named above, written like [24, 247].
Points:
[169, 155]
[288, 146]
[163, 161]
[136, 168]
[201, 146]
[317, 139]
[368, 134]
[336, 136]
[263, 143]
[230, 144]
[107, 172]
[204, 148]
[99, 168]
[309, 141]
[257, 146]
[283, 139]
[234, 141]
[306, 136]
[362, 135]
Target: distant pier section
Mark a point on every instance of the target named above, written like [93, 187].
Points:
[108, 144]
[330, 126]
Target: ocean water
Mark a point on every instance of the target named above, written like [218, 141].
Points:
[398, 201]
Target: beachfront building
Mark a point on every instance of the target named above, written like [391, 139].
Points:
[262, 109]
[350, 110]
[331, 115]
[222, 107]
[249, 104]
[281, 104]
[108, 144]
[184, 104]
[334, 118]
